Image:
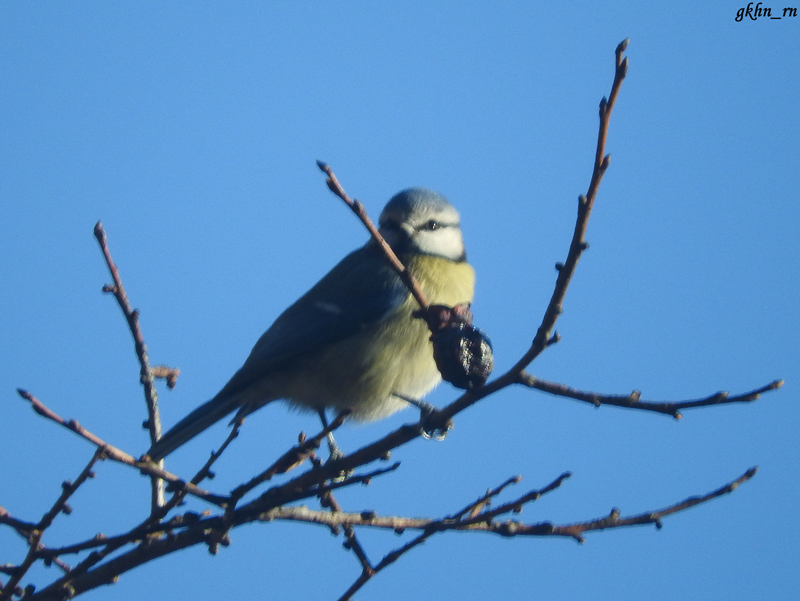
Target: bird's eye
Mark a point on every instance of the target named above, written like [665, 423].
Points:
[431, 226]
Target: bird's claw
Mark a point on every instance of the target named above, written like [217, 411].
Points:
[433, 427]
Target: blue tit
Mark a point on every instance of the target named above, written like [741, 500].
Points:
[351, 342]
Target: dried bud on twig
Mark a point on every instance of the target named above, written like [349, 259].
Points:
[462, 352]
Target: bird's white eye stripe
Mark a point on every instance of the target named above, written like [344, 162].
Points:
[433, 225]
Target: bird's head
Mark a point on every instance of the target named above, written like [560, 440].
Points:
[420, 221]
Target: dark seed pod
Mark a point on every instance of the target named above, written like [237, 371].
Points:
[463, 354]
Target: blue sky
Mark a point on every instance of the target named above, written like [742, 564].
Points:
[192, 129]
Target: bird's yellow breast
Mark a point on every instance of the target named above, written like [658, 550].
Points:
[443, 282]
[395, 356]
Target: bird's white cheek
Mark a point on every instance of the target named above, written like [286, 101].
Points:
[444, 243]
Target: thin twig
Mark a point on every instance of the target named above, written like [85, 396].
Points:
[24, 529]
[510, 528]
[204, 472]
[453, 522]
[476, 506]
[515, 506]
[585, 204]
[351, 540]
[146, 376]
[361, 213]
[191, 519]
[289, 460]
[504, 528]
[651, 517]
[115, 454]
[633, 400]
[544, 335]
[67, 490]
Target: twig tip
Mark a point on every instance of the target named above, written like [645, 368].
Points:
[99, 231]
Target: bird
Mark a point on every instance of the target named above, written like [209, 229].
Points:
[352, 342]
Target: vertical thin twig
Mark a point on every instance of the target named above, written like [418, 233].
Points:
[145, 373]
[585, 204]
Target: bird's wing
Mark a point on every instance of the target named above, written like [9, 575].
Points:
[361, 290]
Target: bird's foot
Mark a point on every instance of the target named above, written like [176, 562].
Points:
[433, 426]
[334, 454]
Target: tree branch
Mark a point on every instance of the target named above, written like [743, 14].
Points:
[146, 375]
[633, 400]
[485, 522]
[67, 490]
[585, 204]
[361, 213]
[115, 454]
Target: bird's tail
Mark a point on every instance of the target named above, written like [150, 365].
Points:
[190, 426]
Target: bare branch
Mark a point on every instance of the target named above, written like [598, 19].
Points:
[585, 204]
[205, 472]
[544, 336]
[200, 531]
[24, 529]
[289, 460]
[115, 454]
[146, 375]
[451, 523]
[515, 505]
[633, 400]
[475, 507]
[34, 541]
[652, 517]
[351, 540]
[361, 213]
[485, 523]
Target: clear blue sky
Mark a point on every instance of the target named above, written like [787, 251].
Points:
[191, 129]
